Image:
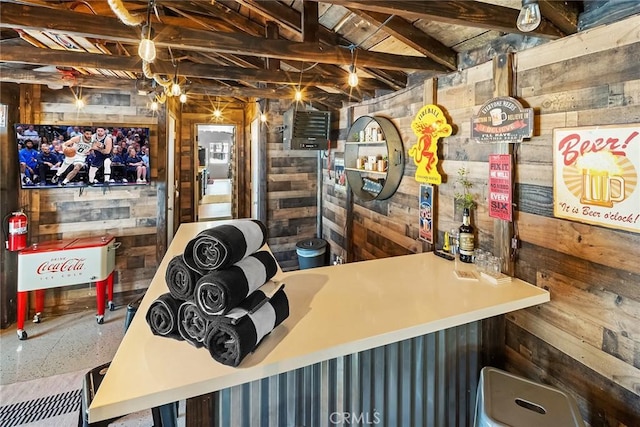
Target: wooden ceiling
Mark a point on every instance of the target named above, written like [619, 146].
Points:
[243, 49]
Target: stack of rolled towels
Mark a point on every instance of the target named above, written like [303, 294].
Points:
[221, 296]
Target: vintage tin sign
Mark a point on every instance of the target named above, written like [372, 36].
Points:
[595, 175]
[500, 205]
[429, 125]
[426, 213]
[503, 120]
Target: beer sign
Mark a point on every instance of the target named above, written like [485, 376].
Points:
[595, 174]
[503, 120]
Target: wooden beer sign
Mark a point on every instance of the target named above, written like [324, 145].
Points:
[503, 120]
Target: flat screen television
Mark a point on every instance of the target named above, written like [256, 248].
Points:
[54, 156]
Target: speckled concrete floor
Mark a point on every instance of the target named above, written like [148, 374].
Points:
[60, 345]
[54, 359]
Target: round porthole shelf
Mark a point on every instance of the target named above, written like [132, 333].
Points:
[373, 158]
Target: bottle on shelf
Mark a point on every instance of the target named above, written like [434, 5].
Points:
[466, 239]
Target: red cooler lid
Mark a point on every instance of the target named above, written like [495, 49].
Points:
[91, 242]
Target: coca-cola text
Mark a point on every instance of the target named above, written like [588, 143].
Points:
[60, 266]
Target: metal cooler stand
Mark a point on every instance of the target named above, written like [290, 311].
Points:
[62, 263]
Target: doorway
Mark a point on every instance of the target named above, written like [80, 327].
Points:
[215, 172]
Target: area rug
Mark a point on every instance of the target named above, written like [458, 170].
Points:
[52, 401]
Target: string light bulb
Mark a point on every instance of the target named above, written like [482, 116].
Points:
[217, 113]
[183, 97]
[298, 95]
[147, 48]
[176, 90]
[263, 117]
[353, 76]
[79, 103]
[529, 18]
[154, 106]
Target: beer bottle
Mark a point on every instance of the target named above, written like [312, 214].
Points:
[466, 238]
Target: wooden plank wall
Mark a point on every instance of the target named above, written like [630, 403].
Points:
[586, 341]
[292, 188]
[9, 183]
[129, 213]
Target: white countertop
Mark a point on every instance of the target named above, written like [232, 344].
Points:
[335, 311]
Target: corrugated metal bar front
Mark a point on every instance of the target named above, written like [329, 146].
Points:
[428, 381]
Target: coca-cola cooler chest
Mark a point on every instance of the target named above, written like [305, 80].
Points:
[62, 263]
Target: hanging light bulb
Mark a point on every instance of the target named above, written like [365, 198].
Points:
[147, 48]
[529, 18]
[263, 117]
[175, 88]
[79, 103]
[154, 106]
[298, 95]
[353, 76]
[217, 113]
[183, 98]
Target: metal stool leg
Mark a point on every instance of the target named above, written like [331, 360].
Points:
[165, 415]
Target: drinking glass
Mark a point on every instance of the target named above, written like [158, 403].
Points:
[494, 266]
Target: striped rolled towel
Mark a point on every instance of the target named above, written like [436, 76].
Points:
[236, 334]
[181, 280]
[224, 245]
[162, 316]
[221, 290]
[192, 323]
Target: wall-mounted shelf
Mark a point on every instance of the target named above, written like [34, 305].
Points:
[372, 138]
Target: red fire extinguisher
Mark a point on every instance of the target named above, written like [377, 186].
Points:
[17, 231]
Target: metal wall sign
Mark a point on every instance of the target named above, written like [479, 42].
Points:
[429, 125]
[596, 175]
[502, 120]
[500, 197]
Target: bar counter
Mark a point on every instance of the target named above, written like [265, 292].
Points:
[334, 311]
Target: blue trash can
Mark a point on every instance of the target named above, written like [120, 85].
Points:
[311, 253]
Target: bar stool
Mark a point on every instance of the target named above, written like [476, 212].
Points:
[505, 399]
[163, 416]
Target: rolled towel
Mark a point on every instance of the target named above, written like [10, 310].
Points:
[221, 290]
[224, 245]
[239, 332]
[162, 316]
[181, 280]
[192, 323]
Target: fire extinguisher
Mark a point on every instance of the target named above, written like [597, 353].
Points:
[17, 231]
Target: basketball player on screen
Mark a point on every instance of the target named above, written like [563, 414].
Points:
[75, 151]
[102, 145]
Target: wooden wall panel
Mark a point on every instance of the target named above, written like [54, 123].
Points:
[128, 213]
[291, 191]
[9, 200]
[586, 341]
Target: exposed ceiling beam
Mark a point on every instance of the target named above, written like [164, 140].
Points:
[404, 31]
[38, 56]
[292, 19]
[466, 13]
[196, 87]
[563, 14]
[86, 25]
